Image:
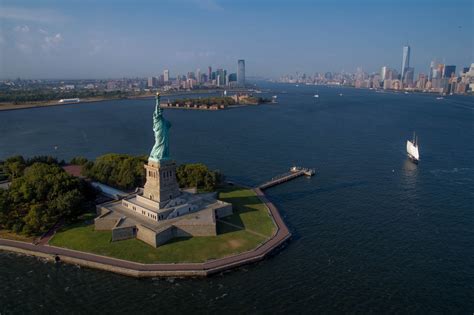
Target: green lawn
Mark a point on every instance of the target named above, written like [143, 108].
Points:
[248, 212]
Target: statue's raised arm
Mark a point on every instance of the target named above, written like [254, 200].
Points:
[161, 127]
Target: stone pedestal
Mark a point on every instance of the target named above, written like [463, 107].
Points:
[161, 184]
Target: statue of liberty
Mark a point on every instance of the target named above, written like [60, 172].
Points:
[161, 126]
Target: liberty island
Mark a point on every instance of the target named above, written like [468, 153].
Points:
[160, 223]
[161, 211]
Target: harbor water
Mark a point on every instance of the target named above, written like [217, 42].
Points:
[372, 232]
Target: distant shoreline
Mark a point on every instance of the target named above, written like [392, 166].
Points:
[11, 106]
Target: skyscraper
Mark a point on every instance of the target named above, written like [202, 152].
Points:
[241, 73]
[409, 76]
[220, 77]
[209, 73]
[433, 66]
[448, 71]
[166, 75]
[152, 82]
[406, 60]
[384, 73]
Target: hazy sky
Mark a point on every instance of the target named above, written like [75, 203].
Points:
[104, 39]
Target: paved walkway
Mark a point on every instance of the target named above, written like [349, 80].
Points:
[46, 237]
[163, 269]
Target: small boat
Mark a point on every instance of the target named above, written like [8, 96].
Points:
[412, 149]
[316, 95]
[340, 94]
[440, 98]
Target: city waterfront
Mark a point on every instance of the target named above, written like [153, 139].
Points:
[372, 232]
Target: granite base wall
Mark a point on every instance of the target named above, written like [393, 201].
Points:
[195, 230]
[123, 233]
[224, 211]
[146, 235]
[104, 223]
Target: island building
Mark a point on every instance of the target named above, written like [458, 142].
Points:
[160, 210]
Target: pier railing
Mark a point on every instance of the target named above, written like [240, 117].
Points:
[294, 172]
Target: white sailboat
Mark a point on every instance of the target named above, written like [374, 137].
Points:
[412, 149]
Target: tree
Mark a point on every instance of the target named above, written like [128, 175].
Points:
[78, 160]
[119, 170]
[40, 196]
[197, 175]
[14, 166]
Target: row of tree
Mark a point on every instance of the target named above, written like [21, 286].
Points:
[118, 170]
[199, 176]
[41, 193]
[127, 172]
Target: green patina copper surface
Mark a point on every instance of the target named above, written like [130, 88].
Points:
[161, 126]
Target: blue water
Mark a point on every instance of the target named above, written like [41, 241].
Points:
[372, 231]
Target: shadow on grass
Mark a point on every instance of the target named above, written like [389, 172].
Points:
[223, 228]
[177, 240]
[242, 200]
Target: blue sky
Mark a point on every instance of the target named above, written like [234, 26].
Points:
[106, 39]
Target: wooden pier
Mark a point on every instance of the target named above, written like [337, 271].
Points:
[294, 172]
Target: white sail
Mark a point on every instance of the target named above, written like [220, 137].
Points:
[412, 150]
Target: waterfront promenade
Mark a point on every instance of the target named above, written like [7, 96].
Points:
[282, 234]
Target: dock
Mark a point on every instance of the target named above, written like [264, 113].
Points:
[295, 172]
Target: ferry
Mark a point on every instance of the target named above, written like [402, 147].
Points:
[69, 100]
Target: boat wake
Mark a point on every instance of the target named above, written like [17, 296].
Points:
[439, 171]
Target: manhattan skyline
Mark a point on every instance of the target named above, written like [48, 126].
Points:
[116, 39]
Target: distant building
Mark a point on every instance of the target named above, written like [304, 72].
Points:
[152, 82]
[448, 71]
[409, 77]
[209, 73]
[220, 77]
[405, 60]
[166, 75]
[198, 76]
[440, 70]
[432, 68]
[241, 72]
[384, 72]
[421, 83]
